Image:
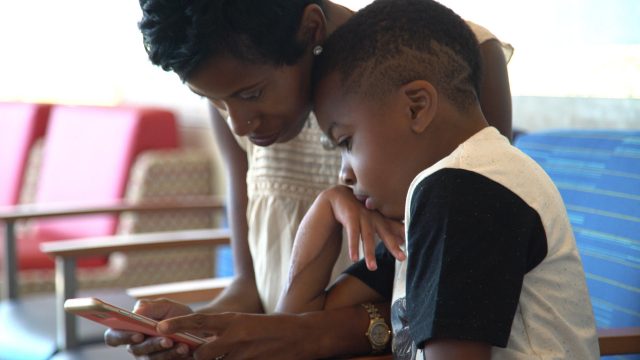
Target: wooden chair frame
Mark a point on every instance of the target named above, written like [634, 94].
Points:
[66, 252]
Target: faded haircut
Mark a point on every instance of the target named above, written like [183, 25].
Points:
[393, 42]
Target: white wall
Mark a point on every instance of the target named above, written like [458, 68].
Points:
[90, 52]
[84, 52]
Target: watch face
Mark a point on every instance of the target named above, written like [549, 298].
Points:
[380, 334]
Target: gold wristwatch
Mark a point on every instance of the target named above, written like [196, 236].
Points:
[378, 332]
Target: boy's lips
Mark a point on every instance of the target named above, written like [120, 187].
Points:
[366, 201]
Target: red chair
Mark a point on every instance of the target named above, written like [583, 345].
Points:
[86, 159]
[21, 125]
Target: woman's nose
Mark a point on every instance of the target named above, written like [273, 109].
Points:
[242, 122]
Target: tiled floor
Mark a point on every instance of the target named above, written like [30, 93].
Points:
[27, 329]
[94, 352]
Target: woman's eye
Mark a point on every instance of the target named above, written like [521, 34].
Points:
[250, 95]
[345, 143]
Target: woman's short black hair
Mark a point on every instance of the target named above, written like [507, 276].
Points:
[179, 35]
[393, 42]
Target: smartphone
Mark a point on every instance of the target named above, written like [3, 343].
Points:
[120, 319]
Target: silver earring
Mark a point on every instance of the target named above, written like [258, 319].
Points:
[317, 50]
[248, 122]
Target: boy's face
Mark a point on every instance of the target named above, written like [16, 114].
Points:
[377, 143]
[268, 104]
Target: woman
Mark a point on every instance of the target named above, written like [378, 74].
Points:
[253, 61]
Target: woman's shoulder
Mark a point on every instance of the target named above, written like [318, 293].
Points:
[483, 35]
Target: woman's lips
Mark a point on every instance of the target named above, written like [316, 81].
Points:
[264, 140]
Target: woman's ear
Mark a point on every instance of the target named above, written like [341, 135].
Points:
[313, 26]
[421, 103]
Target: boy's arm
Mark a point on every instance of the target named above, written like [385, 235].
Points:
[318, 244]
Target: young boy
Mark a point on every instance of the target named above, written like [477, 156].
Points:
[492, 269]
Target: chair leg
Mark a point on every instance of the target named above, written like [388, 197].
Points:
[65, 289]
[10, 282]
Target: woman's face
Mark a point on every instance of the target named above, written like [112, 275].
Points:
[268, 104]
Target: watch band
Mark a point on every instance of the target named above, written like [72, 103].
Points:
[378, 332]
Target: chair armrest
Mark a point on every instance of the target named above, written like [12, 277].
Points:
[144, 241]
[66, 252]
[10, 214]
[617, 341]
[193, 291]
[30, 211]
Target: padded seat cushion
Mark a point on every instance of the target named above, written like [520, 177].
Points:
[86, 159]
[21, 124]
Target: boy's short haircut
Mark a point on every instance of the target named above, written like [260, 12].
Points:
[393, 42]
[180, 35]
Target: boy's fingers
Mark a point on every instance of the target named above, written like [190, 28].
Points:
[392, 242]
[368, 242]
[353, 239]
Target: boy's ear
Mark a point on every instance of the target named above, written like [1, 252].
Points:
[313, 26]
[422, 103]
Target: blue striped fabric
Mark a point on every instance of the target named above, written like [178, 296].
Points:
[598, 175]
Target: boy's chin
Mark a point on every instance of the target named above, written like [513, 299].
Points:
[390, 214]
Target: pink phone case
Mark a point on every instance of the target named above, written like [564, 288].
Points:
[121, 319]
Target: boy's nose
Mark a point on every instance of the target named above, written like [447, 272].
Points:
[347, 176]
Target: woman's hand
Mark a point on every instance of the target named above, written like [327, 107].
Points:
[245, 336]
[151, 347]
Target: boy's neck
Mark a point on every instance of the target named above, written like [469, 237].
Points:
[451, 129]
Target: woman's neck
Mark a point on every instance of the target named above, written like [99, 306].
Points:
[336, 15]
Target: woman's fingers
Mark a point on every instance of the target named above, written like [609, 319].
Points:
[209, 324]
[119, 337]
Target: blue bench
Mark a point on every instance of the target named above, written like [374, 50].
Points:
[598, 175]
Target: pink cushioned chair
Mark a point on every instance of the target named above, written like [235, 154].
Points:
[21, 125]
[86, 159]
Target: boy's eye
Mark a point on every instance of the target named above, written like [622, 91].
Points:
[250, 95]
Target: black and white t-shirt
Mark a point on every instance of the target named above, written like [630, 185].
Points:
[491, 258]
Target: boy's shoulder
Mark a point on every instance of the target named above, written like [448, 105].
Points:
[489, 154]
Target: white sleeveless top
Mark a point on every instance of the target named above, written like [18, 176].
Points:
[282, 182]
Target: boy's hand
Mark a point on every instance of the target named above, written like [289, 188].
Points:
[362, 224]
[318, 240]
[151, 347]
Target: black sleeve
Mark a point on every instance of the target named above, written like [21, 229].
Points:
[470, 243]
[380, 280]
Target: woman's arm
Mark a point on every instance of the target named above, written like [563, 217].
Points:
[242, 294]
[495, 94]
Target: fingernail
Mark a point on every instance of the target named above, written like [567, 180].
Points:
[166, 343]
[137, 338]
[182, 349]
[162, 327]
